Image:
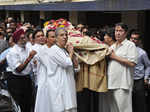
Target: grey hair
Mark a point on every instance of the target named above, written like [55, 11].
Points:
[58, 30]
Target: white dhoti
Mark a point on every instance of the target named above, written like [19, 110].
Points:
[123, 99]
[107, 103]
[71, 110]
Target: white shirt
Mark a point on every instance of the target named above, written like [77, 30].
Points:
[29, 46]
[57, 93]
[119, 75]
[36, 67]
[15, 57]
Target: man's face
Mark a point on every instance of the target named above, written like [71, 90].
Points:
[13, 25]
[40, 38]
[62, 38]
[22, 41]
[9, 31]
[107, 39]
[135, 38]
[51, 37]
[120, 34]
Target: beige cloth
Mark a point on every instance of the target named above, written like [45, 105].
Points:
[92, 54]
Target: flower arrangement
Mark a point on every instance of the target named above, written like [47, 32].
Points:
[72, 32]
[53, 24]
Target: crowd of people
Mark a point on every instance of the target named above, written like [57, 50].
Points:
[42, 68]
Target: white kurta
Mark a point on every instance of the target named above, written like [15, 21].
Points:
[120, 77]
[58, 92]
[37, 68]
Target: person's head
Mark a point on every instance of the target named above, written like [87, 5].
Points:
[2, 29]
[135, 37]
[2, 24]
[13, 25]
[79, 27]
[120, 32]
[61, 37]
[2, 35]
[19, 38]
[9, 30]
[9, 33]
[29, 34]
[84, 30]
[38, 37]
[50, 34]
[109, 36]
[9, 19]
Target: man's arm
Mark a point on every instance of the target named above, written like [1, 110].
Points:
[21, 67]
[121, 60]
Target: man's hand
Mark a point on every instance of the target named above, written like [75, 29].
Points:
[112, 55]
[32, 54]
[70, 48]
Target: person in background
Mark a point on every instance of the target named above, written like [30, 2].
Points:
[84, 31]
[79, 27]
[50, 34]
[19, 68]
[2, 36]
[124, 58]
[109, 36]
[30, 42]
[3, 47]
[141, 74]
[9, 33]
[8, 21]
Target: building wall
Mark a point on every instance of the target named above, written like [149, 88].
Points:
[15, 2]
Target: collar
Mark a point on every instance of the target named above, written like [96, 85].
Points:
[122, 43]
[37, 44]
[20, 49]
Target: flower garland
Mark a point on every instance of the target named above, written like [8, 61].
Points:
[53, 24]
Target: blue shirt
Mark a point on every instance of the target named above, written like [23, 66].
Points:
[142, 69]
[4, 54]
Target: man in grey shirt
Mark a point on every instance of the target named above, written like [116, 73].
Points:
[3, 45]
[141, 74]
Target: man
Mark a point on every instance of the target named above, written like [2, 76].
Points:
[120, 69]
[19, 68]
[57, 93]
[39, 40]
[3, 45]
[109, 36]
[50, 34]
[141, 74]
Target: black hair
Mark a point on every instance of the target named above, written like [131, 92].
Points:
[28, 32]
[35, 32]
[136, 32]
[110, 32]
[124, 26]
[49, 31]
